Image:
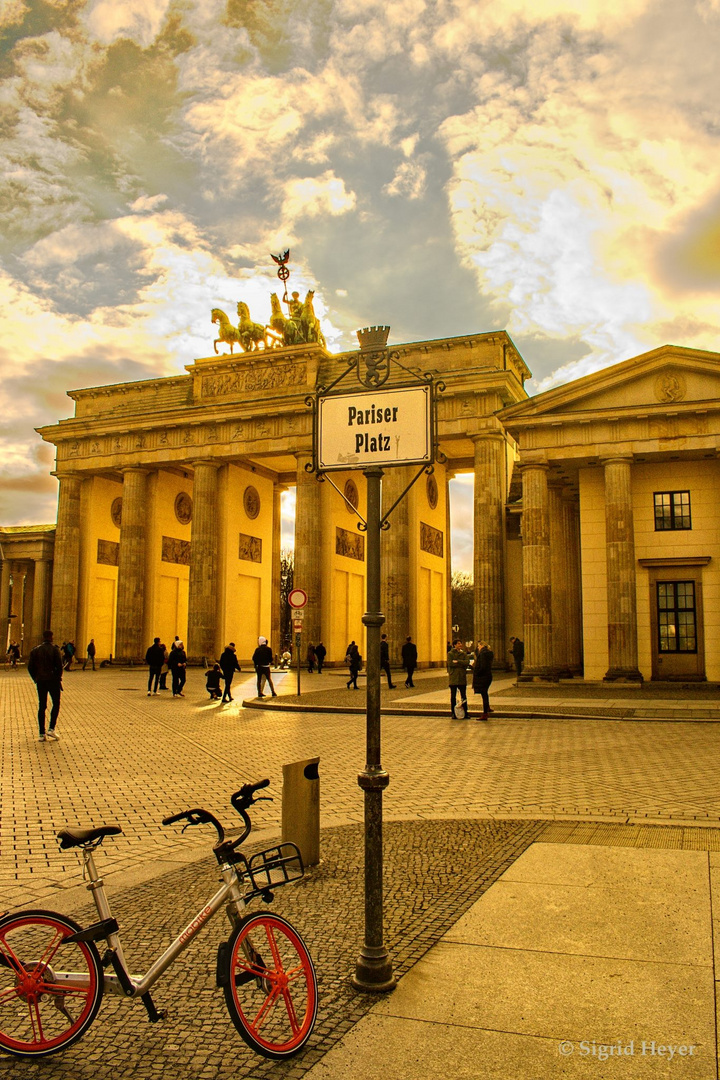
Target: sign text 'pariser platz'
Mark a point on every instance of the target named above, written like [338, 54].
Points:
[392, 426]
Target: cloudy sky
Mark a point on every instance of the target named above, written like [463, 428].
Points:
[447, 167]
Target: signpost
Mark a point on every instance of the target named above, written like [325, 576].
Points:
[373, 429]
[297, 599]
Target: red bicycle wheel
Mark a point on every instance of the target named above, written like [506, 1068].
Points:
[50, 989]
[271, 993]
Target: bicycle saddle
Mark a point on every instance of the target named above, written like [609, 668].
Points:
[78, 837]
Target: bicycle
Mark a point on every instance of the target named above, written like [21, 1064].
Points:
[52, 977]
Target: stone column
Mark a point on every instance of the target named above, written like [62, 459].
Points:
[5, 606]
[489, 543]
[571, 532]
[620, 554]
[202, 596]
[559, 603]
[39, 609]
[395, 562]
[27, 611]
[448, 556]
[66, 562]
[307, 572]
[275, 614]
[537, 610]
[130, 635]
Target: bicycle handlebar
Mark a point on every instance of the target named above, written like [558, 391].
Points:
[241, 801]
[197, 816]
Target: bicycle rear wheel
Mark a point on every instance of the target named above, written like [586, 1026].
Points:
[50, 989]
[271, 993]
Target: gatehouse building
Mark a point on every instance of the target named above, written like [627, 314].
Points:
[596, 528]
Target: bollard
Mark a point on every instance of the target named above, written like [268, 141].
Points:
[301, 808]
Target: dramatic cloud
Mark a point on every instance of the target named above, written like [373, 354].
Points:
[444, 166]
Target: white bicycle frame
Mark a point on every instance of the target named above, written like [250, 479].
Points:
[134, 986]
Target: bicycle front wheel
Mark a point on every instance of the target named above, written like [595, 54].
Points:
[50, 989]
[271, 993]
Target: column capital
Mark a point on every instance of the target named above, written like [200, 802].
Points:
[68, 474]
[527, 461]
[616, 459]
[487, 436]
[213, 462]
[140, 470]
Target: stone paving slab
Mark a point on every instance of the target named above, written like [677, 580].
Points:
[488, 1007]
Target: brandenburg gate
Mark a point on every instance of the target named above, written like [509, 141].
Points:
[169, 501]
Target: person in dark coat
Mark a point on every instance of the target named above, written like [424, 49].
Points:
[320, 654]
[482, 676]
[458, 662]
[154, 658]
[385, 660]
[311, 657]
[45, 668]
[409, 659]
[354, 660]
[177, 661]
[212, 681]
[262, 658]
[517, 648]
[90, 654]
[229, 665]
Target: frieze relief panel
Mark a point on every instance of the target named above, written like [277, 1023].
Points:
[349, 544]
[431, 540]
[175, 550]
[250, 548]
[108, 552]
[269, 376]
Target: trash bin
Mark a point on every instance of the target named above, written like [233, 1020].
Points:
[301, 808]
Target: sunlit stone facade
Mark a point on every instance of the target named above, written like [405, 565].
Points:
[169, 507]
[621, 520]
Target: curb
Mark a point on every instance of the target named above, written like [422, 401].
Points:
[498, 714]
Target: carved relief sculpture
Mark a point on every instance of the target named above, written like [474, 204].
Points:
[116, 512]
[431, 540]
[108, 551]
[250, 548]
[351, 494]
[175, 550]
[183, 508]
[251, 502]
[431, 489]
[349, 544]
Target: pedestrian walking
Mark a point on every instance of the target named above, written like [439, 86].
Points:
[517, 648]
[409, 659]
[311, 657]
[354, 662]
[482, 676]
[229, 665]
[320, 654]
[458, 662]
[177, 661]
[212, 682]
[154, 658]
[385, 660]
[13, 654]
[262, 659]
[45, 668]
[90, 654]
[68, 651]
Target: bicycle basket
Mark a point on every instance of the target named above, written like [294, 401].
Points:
[273, 867]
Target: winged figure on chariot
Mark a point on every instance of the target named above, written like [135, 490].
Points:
[300, 326]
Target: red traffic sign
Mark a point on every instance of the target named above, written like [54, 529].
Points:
[297, 598]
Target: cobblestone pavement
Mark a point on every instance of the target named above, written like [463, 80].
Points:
[130, 759]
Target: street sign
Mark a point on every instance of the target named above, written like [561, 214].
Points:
[297, 598]
[298, 615]
[392, 426]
